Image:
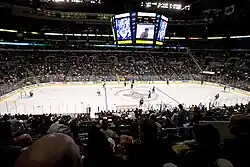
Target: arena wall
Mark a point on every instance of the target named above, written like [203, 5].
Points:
[31, 87]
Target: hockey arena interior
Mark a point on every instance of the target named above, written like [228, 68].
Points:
[135, 83]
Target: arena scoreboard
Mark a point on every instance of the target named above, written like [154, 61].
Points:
[139, 28]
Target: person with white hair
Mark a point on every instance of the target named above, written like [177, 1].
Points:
[53, 150]
[223, 163]
[169, 165]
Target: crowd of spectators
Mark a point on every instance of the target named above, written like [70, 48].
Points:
[166, 138]
[20, 67]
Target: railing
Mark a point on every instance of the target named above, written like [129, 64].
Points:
[196, 63]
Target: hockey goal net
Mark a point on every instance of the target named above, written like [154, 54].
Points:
[227, 89]
[23, 94]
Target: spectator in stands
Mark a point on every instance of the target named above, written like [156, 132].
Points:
[174, 117]
[223, 163]
[8, 152]
[206, 152]
[237, 149]
[23, 141]
[99, 151]
[151, 150]
[196, 115]
[60, 126]
[126, 142]
[108, 132]
[74, 129]
[53, 150]
[17, 128]
[182, 116]
[154, 118]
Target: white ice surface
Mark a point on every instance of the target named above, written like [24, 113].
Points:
[75, 99]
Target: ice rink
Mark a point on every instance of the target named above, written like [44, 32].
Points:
[76, 98]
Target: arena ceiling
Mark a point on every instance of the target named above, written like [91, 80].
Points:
[115, 6]
[211, 10]
[122, 5]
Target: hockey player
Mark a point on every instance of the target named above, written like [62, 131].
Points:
[141, 102]
[125, 84]
[153, 90]
[149, 95]
[217, 96]
[31, 94]
[98, 92]
[202, 82]
[225, 87]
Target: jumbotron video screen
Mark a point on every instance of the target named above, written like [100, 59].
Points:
[139, 28]
[121, 25]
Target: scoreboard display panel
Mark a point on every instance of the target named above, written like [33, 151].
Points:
[122, 28]
[162, 30]
[139, 28]
[145, 28]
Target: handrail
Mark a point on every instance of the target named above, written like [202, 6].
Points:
[196, 63]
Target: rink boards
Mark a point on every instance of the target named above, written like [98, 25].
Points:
[139, 83]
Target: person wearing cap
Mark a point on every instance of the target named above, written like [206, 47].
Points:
[60, 127]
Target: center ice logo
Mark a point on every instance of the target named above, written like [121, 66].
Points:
[135, 94]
